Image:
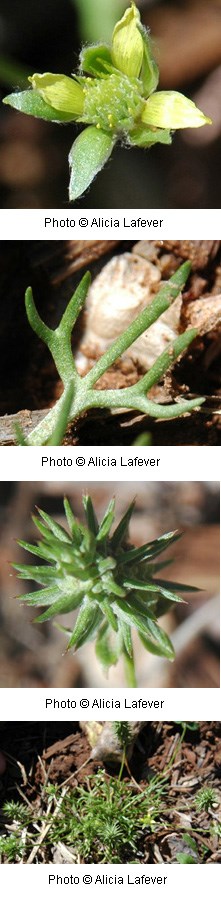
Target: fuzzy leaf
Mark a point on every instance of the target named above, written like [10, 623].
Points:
[88, 155]
[161, 639]
[177, 585]
[106, 653]
[31, 103]
[88, 620]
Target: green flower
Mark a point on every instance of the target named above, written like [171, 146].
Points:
[114, 94]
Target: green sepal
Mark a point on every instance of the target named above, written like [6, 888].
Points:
[107, 650]
[96, 60]
[88, 155]
[154, 648]
[31, 103]
[141, 136]
[88, 620]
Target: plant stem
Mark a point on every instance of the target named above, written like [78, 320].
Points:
[129, 669]
[147, 317]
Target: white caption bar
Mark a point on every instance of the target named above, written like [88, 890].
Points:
[104, 464]
[115, 223]
[47, 704]
[147, 881]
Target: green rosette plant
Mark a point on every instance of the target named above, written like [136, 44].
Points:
[114, 584]
[115, 95]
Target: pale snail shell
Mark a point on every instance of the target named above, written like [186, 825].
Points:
[104, 742]
[117, 295]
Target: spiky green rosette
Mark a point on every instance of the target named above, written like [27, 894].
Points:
[112, 583]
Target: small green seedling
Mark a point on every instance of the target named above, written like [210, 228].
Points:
[114, 584]
[115, 95]
[80, 393]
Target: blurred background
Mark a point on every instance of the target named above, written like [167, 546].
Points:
[33, 154]
[32, 655]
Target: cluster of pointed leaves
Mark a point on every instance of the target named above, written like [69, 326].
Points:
[116, 98]
[114, 584]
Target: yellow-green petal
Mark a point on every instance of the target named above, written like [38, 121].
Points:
[127, 43]
[170, 109]
[59, 91]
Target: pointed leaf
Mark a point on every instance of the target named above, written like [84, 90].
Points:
[41, 574]
[127, 639]
[64, 604]
[153, 648]
[88, 155]
[106, 522]
[31, 103]
[152, 588]
[151, 549]
[90, 514]
[59, 532]
[44, 597]
[178, 587]
[73, 524]
[161, 638]
[107, 610]
[122, 529]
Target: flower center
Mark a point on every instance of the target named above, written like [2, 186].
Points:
[113, 103]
